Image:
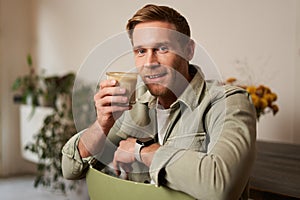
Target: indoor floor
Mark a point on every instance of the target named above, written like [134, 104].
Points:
[16, 188]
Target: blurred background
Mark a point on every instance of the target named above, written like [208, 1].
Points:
[256, 41]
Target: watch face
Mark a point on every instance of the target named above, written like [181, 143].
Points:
[145, 141]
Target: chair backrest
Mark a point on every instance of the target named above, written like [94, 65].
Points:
[105, 187]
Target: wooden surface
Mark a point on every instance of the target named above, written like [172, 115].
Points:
[276, 171]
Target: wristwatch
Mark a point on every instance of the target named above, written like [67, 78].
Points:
[140, 143]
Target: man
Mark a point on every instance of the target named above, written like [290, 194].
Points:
[185, 133]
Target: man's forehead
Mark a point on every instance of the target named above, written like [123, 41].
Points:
[151, 43]
[152, 36]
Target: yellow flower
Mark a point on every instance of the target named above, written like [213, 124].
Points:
[274, 96]
[251, 89]
[262, 97]
[263, 103]
[231, 80]
[255, 99]
[268, 97]
[275, 109]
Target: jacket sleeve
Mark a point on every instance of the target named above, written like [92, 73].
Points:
[223, 171]
[73, 166]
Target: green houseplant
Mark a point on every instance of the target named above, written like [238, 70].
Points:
[59, 126]
[27, 87]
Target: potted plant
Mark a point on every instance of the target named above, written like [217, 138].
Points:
[58, 126]
[57, 87]
[28, 86]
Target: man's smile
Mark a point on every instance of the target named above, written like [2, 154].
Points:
[155, 77]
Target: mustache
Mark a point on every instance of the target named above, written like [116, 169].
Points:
[150, 66]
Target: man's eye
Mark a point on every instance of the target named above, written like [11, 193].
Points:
[163, 49]
[140, 52]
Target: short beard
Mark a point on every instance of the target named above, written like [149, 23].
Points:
[158, 89]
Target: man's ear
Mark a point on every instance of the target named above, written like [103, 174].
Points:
[190, 49]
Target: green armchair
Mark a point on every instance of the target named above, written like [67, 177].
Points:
[105, 187]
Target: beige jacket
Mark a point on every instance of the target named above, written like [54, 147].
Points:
[208, 150]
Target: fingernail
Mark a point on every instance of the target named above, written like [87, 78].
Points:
[122, 90]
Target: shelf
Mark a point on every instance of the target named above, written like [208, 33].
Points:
[276, 169]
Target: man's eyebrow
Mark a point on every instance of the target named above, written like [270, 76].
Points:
[137, 47]
[167, 43]
[152, 45]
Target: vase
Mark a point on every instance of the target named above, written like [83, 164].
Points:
[31, 120]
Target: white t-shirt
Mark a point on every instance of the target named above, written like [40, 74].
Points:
[162, 122]
[162, 116]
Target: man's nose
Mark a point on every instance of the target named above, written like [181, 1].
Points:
[151, 59]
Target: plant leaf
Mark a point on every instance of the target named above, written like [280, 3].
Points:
[29, 60]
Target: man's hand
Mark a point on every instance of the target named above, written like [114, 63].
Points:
[108, 102]
[124, 156]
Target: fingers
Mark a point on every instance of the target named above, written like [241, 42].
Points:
[116, 167]
[109, 100]
[110, 103]
[124, 156]
[127, 168]
[110, 94]
[108, 83]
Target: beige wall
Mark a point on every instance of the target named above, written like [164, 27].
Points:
[1, 72]
[262, 33]
[60, 34]
[297, 80]
[15, 44]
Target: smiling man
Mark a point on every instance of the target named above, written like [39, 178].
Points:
[184, 132]
[160, 61]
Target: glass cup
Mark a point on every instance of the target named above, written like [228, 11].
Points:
[125, 80]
